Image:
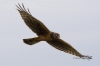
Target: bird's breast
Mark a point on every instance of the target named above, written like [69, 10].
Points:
[45, 37]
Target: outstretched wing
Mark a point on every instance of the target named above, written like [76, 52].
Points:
[66, 47]
[35, 25]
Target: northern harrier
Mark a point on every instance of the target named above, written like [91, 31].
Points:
[44, 34]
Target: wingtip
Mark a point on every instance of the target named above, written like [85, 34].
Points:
[86, 57]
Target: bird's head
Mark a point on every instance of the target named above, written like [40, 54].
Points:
[55, 35]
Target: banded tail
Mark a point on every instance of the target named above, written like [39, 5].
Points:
[31, 41]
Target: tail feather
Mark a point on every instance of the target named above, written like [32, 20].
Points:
[31, 41]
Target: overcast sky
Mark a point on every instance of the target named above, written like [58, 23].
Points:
[77, 22]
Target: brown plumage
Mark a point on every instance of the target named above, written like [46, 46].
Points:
[44, 34]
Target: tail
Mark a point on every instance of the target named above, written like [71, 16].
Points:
[31, 41]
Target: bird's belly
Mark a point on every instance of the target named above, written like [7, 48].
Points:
[46, 38]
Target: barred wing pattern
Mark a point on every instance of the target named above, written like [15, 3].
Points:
[66, 47]
[35, 25]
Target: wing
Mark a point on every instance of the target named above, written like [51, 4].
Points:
[35, 25]
[66, 47]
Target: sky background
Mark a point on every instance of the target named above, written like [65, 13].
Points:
[77, 22]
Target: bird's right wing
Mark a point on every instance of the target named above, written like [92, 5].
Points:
[35, 25]
[66, 47]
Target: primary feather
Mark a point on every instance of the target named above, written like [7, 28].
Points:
[34, 24]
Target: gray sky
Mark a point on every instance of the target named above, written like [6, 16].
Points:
[77, 21]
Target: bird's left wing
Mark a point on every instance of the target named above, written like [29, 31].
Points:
[66, 47]
[35, 25]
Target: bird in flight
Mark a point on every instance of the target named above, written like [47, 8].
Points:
[44, 34]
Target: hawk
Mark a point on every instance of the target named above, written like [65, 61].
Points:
[44, 34]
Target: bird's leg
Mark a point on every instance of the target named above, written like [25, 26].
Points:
[31, 41]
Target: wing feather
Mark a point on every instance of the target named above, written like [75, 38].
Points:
[35, 25]
[66, 47]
